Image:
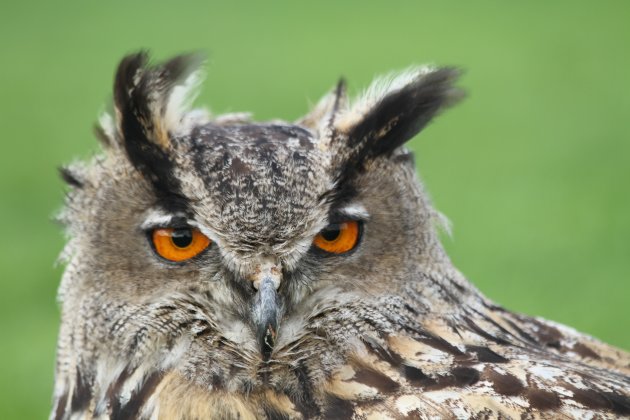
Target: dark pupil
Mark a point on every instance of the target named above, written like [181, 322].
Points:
[182, 237]
[331, 233]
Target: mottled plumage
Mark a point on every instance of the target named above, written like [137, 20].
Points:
[262, 324]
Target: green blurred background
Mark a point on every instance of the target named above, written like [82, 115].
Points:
[533, 168]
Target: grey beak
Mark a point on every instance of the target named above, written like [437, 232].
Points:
[265, 316]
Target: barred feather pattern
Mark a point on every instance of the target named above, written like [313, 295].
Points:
[477, 361]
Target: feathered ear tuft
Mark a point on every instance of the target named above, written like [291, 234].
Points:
[392, 111]
[152, 101]
[150, 106]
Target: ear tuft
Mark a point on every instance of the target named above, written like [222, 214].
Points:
[152, 101]
[393, 110]
[151, 106]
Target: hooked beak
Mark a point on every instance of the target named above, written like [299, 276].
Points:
[265, 309]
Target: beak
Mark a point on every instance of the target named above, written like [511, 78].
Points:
[265, 310]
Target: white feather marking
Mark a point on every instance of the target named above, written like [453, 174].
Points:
[180, 101]
[193, 118]
[355, 210]
[293, 142]
[135, 381]
[442, 396]
[107, 371]
[408, 403]
[157, 218]
[108, 125]
[546, 372]
[443, 222]
[176, 353]
[233, 118]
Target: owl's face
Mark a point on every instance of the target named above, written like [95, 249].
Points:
[221, 268]
[222, 248]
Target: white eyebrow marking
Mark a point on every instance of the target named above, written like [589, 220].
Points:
[157, 218]
[355, 210]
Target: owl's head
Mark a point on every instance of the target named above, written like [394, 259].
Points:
[191, 227]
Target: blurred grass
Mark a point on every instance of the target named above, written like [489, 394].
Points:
[532, 168]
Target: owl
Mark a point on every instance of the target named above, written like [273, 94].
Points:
[218, 267]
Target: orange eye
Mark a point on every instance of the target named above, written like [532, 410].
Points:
[339, 237]
[179, 244]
